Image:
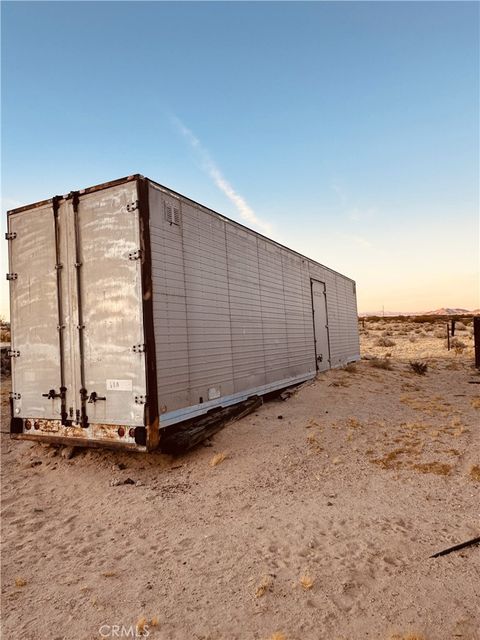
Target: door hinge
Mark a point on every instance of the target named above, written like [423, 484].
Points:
[132, 206]
[14, 396]
[12, 276]
[138, 348]
[13, 353]
[140, 399]
[11, 235]
[135, 255]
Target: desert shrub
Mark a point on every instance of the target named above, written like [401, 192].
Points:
[440, 333]
[386, 333]
[457, 344]
[351, 367]
[5, 333]
[460, 326]
[381, 363]
[385, 342]
[412, 339]
[419, 368]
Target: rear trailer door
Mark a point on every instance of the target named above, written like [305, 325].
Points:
[35, 343]
[112, 350]
[78, 354]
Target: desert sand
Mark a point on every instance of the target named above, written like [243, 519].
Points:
[317, 522]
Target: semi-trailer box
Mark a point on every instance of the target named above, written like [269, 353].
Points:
[134, 308]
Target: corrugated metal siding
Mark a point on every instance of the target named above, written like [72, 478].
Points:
[233, 310]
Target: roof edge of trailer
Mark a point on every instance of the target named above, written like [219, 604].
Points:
[239, 224]
[96, 187]
[136, 176]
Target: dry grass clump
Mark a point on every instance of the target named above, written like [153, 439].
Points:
[351, 367]
[429, 405]
[314, 443]
[265, 585]
[140, 626]
[438, 468]
[409, 636]
[307, 582]
[20, 582]
[440, 333]
[339, 383]
[381, 363]
[218, 458]
[475, 402]
[474, 472]
[420, 368]
[278, 635]
[353, 423]
[385, 342]
[412, 339]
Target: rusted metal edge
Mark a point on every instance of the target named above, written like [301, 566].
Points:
[79, 442]
[97, 187]
[151, 416]
[63, 409]
[74, 196]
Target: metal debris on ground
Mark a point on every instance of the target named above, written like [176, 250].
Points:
[457, 547]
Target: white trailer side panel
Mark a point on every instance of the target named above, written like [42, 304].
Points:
[233, 310]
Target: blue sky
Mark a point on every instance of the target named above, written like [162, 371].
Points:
[348, 131]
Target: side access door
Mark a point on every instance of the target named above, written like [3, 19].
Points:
[320, 325]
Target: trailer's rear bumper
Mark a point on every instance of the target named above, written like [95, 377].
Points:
[96, 435]
[79, 442]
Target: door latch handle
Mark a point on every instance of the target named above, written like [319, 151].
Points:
[94, 397]
[320, 357]
[51, 394]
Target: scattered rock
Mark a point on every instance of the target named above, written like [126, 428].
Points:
[138, 483]
[35, 463]
[116, 482]
[280, 417]
[68, 452]
[120, 466]
[329, 504]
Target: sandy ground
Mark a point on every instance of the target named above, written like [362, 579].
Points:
[318, 524]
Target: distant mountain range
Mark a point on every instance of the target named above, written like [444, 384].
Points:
[444, 311]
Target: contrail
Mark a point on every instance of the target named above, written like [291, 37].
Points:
[244, 209]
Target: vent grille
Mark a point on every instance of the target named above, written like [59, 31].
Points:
[172, 214]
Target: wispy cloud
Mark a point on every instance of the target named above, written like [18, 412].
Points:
[245, 211]
[353, 212]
